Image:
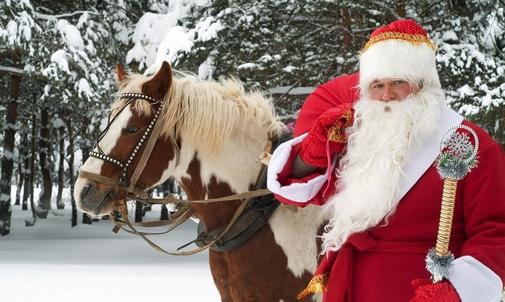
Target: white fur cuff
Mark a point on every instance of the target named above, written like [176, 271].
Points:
[297, 192]
[474, 281]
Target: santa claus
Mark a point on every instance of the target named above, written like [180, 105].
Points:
[364, 149]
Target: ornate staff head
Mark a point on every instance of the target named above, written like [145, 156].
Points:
[457, 153]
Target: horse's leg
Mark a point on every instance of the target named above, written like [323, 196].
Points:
[219, 269]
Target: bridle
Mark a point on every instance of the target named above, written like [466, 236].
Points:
[123, 179]
[124, 185]
[150, 137]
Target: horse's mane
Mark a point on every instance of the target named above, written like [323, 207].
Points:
[208, 113]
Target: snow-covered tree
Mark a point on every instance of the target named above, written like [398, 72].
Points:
[17, 27]
[305, 43]
[67, 53]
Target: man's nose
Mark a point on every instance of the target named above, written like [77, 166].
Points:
[388, 94]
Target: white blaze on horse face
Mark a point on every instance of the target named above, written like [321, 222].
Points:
[107, 143]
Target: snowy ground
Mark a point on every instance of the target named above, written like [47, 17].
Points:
[53, 262]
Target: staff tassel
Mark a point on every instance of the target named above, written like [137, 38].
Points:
[457, 157]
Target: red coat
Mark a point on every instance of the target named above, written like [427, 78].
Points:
[386, 267]
[380, 264]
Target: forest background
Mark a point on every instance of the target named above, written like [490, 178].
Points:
[57, 60]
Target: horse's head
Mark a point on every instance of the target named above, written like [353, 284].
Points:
[118, 162]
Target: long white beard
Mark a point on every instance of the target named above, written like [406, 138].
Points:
[379, 144]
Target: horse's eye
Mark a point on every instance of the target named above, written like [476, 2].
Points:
[131, 129]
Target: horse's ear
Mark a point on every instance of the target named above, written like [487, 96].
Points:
[120, 74]
[160, 83]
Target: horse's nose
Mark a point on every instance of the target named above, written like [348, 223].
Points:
[87, 190]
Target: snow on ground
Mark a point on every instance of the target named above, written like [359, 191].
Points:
[53, 262]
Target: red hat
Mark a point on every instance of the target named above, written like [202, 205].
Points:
[401, 49]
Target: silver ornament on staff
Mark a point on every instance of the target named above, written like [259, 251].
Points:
[457, 157]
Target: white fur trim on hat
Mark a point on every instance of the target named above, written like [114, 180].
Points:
[398, 59]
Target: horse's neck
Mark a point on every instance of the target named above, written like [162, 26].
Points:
[233, 170]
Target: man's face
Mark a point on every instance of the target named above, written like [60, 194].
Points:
[387, 90]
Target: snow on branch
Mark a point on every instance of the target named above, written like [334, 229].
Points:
[53, 17]
[11, 70]
[291, 91]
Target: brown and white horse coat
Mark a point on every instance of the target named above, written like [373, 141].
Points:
[212, 135]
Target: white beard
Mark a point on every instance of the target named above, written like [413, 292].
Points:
[379, 144]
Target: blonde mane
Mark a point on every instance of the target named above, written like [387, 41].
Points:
[208, 113]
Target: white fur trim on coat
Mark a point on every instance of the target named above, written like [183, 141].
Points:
[297, 192]
[474, 281]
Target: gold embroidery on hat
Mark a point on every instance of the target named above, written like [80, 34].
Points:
[412, 38]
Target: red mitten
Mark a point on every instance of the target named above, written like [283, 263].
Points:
[329, 127]
[427, 291]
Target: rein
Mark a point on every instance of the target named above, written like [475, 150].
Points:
[246, 197]
[133, 192]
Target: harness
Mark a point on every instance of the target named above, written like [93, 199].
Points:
[254, 217]
[249, 217]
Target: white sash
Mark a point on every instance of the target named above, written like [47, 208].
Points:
[429, 151]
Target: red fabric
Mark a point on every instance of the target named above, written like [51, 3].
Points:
[427, 291]
[340, 90]
[405, 26]
[340, 265]
[479, 218]
[478, 228]
[316, 146]
[285, 180]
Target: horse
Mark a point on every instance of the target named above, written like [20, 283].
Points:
[210, 135]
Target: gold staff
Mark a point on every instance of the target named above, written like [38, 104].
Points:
[457, 157]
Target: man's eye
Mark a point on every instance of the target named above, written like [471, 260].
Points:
[131, 129]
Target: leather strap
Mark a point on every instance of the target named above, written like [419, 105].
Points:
[122, 209]
[153, 137]
[172, 223]
[144, 196]
[238, 196]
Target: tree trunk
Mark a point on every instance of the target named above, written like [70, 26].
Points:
[23, 154]
[400, 8]
[165, 187]
[44, 203]
[460, 7]
[8, 154]
[70, 153]
[347, 23]
[61, 168]
[85, 149]
[138, 211]
[21, 179]
[27, 176]
[31, 179]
